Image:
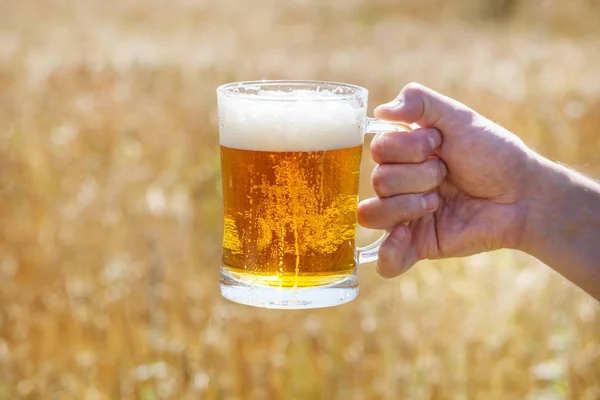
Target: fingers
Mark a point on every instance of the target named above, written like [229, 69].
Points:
[388, 212]
[393, 252]
[394, 179]
[426, 107]
[405, 147]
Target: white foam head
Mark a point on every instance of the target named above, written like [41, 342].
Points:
[301, 121]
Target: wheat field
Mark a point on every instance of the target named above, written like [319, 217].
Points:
[110, 210]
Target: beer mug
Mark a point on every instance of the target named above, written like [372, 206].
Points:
[290, 160]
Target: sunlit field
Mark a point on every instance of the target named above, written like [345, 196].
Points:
[110, 207]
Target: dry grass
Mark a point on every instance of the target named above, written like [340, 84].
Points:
[110, 204]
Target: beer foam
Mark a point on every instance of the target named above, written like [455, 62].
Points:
[308, 121]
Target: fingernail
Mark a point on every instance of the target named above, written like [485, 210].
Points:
[431, 143]
[429, 201]
[398, 235]
[391, 105]
[444, 168]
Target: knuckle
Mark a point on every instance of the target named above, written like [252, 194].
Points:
[378, 148]
[415, 101]
[363, 216]
[360, 216]
[379, 181]
[412, 88]
[369, 213]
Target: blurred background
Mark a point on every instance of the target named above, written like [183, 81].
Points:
[110, 214]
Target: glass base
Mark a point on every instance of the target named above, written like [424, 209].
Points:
[255, 295]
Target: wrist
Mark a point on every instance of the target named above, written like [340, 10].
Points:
[542, 198]
[559, 205]
[562, 227]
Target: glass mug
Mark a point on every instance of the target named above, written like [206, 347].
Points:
[290, 160]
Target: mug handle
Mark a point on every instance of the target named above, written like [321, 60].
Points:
[370, 253]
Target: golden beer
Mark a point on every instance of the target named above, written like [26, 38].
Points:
[290, 216]
[290, 159]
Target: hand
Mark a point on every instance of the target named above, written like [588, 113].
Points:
[453, 187]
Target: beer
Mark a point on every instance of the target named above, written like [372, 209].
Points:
[290, 160]
[290, 173]
[290, 216]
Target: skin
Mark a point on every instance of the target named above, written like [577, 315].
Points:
[460, 184]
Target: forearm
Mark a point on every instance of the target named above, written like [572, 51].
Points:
[563, 223]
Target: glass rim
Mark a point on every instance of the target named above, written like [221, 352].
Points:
[226, 90]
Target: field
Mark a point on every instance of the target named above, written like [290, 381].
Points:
[110, 210]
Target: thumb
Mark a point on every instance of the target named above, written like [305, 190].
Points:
[427, 108]
[394, 252]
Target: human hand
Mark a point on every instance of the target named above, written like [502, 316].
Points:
[458, 182]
